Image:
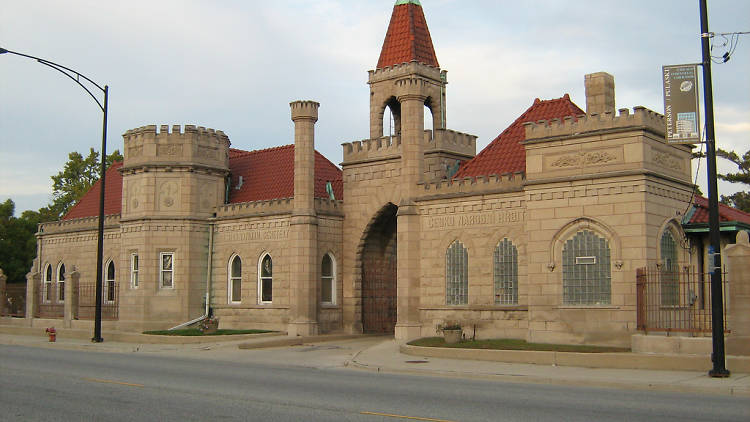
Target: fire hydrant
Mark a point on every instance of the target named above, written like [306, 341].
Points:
[52, 334]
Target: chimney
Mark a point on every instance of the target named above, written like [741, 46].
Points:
[600, 93]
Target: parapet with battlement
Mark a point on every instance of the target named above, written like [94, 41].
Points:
[281, 206]
[406, 69]
[188, 145]
[586, 124]
[508, 182]
[389, 147]
[78, 224]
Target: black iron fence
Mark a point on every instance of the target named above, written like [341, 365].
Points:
[87, 300]
[14, 300]
[676, 299]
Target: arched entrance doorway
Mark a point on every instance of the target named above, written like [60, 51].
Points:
[379, 273]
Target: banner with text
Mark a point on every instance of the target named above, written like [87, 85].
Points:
[681, 111]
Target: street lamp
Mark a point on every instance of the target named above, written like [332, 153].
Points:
[76, 77]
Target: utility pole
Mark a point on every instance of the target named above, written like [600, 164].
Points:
[717, 303]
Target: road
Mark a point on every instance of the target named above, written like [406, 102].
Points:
[41, 384]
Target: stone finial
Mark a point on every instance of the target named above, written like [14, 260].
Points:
[600, 93]
[743, 238]
[304, 110]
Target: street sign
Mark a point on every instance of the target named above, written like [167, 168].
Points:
[681, 111]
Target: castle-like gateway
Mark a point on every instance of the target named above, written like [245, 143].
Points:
[536, 237]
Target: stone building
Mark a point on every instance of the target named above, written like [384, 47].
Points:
[538, 236]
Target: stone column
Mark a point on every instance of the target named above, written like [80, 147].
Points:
[408, 230]
[738, 297]
[71, 298]
[303, 289]
[33, 280]
[3, 292]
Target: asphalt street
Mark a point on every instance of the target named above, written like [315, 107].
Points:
[68, 385]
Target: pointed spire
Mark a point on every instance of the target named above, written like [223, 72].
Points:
[408, 37]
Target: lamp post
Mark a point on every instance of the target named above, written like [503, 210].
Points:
[77, 78]
[718, 358]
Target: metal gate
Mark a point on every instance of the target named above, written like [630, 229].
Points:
[379, 275]
[379, 291]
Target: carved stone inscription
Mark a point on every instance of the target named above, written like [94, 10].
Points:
[269, 234]
[474, 219]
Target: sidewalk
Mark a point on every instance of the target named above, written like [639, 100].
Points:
[381, 354]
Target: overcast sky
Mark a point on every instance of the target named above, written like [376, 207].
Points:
[236, 65]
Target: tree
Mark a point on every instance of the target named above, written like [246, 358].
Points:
[739, 200]
[17, 242]
[75, 179]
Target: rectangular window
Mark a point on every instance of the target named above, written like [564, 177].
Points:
[166, 270]
[134, 270]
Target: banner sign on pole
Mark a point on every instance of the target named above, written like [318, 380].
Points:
[681, 111]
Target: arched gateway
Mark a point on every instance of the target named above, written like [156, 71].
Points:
[379, 273]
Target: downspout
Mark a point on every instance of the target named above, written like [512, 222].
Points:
[209, 269]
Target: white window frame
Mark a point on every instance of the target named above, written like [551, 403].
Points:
[330, 279]
[135, 264]
[231, 279]
[107, 281]
[60, 282]
[260, 279]
[163, 271]
[46, 298]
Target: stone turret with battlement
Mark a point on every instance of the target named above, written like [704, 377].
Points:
[178, 173]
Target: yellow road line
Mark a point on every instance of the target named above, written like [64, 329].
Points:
[417, 418]
[113, 382]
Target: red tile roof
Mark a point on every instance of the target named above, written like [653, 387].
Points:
[88, 205]
[726, 213]
[408, 38]
[266, 174]
[269, 174]
[505, 154]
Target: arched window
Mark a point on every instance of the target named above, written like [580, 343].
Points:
[109, 282]
[265, 279]
[506, 273]
[457, 274]
[47, 294]
[328, 280]
[669, 286]
[586, 270]
[61, 282]
[235, 279]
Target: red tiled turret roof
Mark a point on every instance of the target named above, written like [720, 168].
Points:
[505, 154]
[269, 174]
[726, 213]
[408, 37]
[88, 205]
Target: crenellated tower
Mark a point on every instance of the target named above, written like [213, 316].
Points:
[388, 172]
[173, 181]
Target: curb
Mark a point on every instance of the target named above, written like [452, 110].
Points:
[738, 364]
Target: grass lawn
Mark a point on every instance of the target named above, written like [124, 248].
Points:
[513, 344]
[196, 332]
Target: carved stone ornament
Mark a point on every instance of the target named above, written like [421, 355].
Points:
[169, 149]
[135, 151]
[618, 264]
[167, 193]
[551, 266]
[667, 160]
[583, 159]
